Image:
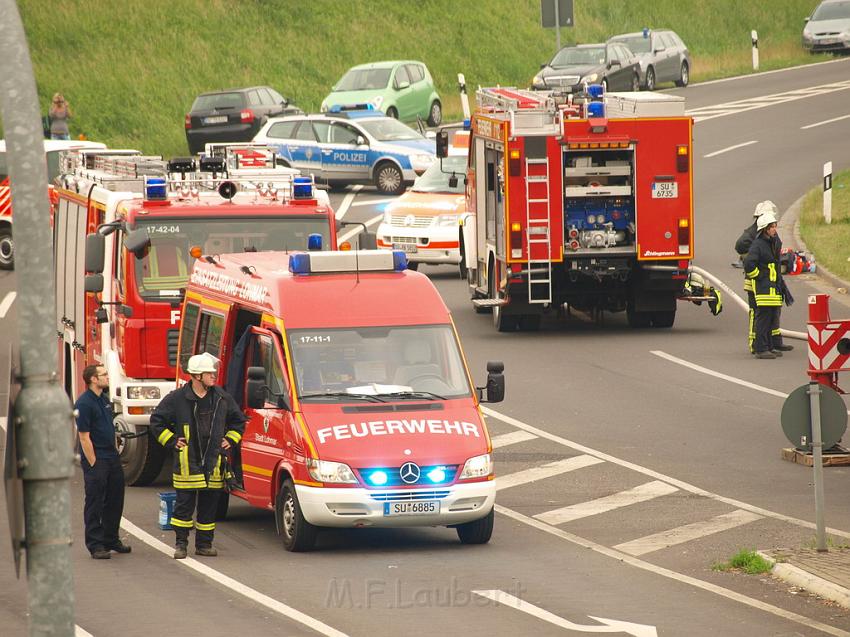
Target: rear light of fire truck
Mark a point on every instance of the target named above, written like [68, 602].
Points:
[516, 240]
[247, 116]
[682, 159]
[684, 236]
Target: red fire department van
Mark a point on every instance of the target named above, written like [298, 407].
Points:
[585, 201]
[135, 224]
[362, 410]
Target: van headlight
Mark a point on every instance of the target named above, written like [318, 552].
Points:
[477, 467]
[143, 392]
[326, 471]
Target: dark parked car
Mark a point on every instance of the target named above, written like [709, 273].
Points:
[233, 115]
[611, 65]
[662, 56]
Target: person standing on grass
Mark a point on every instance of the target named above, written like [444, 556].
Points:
[59, 114]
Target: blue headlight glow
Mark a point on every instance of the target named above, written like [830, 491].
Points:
[299, 263]
[437, 474]
[378, 478]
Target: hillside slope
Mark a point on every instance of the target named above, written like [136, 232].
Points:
[130, 70]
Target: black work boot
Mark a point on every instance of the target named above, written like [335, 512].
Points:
[206, 551]
[180, 552]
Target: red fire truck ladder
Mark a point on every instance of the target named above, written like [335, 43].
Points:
[538, 233]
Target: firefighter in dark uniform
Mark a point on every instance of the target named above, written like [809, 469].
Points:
[196, 422]
[102, 473]
[761, 266]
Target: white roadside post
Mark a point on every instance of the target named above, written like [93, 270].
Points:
[827, 192]
[755, 37]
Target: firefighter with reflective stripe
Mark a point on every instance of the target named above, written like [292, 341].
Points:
[761, 266]
[742, 246]
[196, 422]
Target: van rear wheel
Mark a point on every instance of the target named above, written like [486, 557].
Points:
[477, 531]
[297, 533]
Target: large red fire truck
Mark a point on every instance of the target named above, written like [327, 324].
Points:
[135, 224]
[583, 201]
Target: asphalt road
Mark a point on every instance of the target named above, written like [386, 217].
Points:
[631, 462]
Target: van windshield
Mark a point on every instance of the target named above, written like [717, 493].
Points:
[422, 361]
[165, 268]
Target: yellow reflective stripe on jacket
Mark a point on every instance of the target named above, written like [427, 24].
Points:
[235, 436]
[164, 437]
[205, 527]
[748, 285]
[769, 300]
[184, 453]
[183, 524]
[752, 274]
[772, 268]
[197, 481]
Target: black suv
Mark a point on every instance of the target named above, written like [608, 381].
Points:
[233, 115]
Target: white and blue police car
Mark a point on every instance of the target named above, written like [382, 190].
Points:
[354, 146]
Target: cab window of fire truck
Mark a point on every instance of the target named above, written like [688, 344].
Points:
[266, 355]
[120, 255]
[187, 334]
[210, 330]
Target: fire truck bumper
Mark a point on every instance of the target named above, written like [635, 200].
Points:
[434, 506]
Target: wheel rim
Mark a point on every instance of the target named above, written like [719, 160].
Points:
[650, 80]
[389, 179]
[684, 74]
[288, 516]
[7, 250]
[436, 114]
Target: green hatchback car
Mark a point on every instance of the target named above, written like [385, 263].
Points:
[401, 89]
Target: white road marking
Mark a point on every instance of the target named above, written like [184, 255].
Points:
[640, 493]
[358, 229]
[826, 121]
[711, 372]
[79, 632]
[7, 303]
[346, 202]
[3, 423]
[608, 625]
[665, 572]
[726, 150]
[686, 533]
[511, 438]
[544, 471]
[681, 484]
[232, 584]
[372, 202]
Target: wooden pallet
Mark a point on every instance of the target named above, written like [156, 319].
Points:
[837, 456]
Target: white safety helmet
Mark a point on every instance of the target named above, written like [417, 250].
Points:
[200, 363]
[764, 207]
[765, 220]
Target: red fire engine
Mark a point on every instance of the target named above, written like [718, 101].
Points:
[585, 201]
[135, 224]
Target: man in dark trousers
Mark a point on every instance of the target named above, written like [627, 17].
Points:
[196, 422]
[102, 472]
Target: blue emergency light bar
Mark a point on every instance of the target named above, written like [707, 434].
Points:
[595, 90]
[314, 242]
[349, 261]
[155, 189]
[302, 188]
[596, 109]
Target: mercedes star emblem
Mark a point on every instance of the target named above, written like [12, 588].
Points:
[409, 472]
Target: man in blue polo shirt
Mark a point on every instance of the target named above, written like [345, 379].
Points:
[102, 472]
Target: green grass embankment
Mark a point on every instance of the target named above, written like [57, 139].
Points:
[130, 70]
[830, 243]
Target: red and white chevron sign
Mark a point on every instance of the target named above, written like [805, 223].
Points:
[829, 341]
[5, 198]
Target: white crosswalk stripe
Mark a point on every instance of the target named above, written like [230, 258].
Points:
[686, 533]
[511, 438]
[544, 471]
[641, 493]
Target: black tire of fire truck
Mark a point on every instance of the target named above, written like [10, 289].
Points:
[684, 75]
[663, 319]
[388, 178]
[650, 79]
[7, 249]
[477, 531]
[502, 321]
[637, 319]
[141, 458]
[297, 533]
[435, 115]
[223, 506]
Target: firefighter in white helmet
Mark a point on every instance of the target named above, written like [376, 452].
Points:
[197, 422]
[761, 266]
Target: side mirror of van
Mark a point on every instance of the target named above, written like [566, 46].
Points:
[95, 251]
[442, 144]
[137, 241]
[495, 388]
[255, 388]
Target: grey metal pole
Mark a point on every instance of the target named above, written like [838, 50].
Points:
[43, 411]
[817, 462]
[557, 27]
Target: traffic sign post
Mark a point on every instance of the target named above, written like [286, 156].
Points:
[817, 465]
[555, 14]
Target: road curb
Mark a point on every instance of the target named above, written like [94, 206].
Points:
[789, 226]
[811, 583]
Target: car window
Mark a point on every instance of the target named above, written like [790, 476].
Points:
[401, 76]
[572, 55]
[364, 80]
[219, 101]
[323, 130]
[415, 72]
[677, 41]
[266, 97]
[832, 11]
[277, 98]
[668, 41]
[343, 133]
[387, 129]
[254, 98]
[614, 54]
[305, 132]
[281, 130]
[635, 43]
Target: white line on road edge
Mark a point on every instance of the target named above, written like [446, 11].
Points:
[372, 202]
[826, 121]
[726, 150]
[608, 625]
[511, 438]
[687, 533]
[7, 303]
[79, 632]
[232, 584]
[545, 471]
[346, 203]
[347, 235]
[665, 572]
[681, 484]
[641, 493]
[720, 375]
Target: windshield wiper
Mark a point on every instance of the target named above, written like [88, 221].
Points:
[415, 394]
[344, 394]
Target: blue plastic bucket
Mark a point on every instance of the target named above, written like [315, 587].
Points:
[166, 508]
